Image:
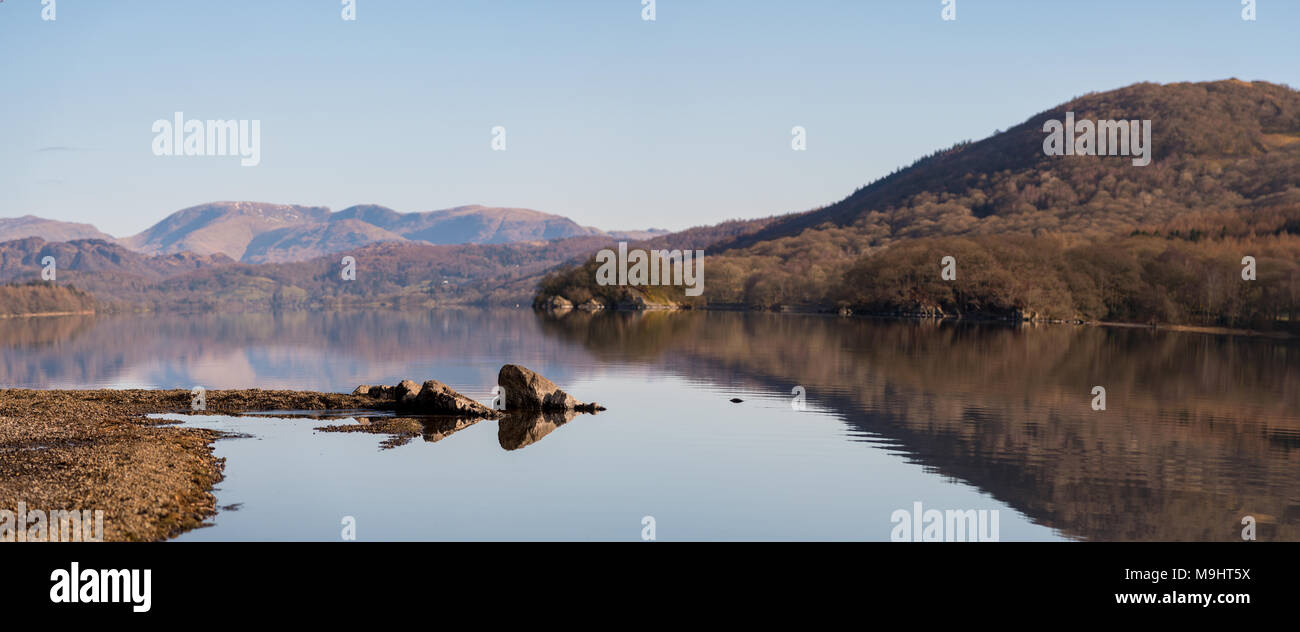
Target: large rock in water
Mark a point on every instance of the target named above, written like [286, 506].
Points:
[525, 389]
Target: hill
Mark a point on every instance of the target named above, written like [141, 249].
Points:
[118, 277]
[387, 274]
[300, 243]
[47, 229]
[221, 227]
[37, 297]
[470, 224]
[1069, 237]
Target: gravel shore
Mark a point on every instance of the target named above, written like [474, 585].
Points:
[96, 450]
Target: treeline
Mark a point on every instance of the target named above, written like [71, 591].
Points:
[577, 285]
[40, 297]
[1145, 279]
[1185, 272]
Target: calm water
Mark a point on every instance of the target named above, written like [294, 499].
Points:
[1198, 431]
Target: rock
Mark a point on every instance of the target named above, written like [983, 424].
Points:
[376, 392]
[592, 305]
[431, 398]
[406, 391]
[633, 302]
[434, 397]
[558, 303]
[525, 389]
[736, 400]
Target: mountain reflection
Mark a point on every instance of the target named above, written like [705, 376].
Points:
[1199, 430]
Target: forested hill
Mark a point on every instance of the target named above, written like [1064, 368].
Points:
[38, 297]
[1217, 146]
[1088, 237]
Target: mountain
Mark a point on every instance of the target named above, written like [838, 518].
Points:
[255, 232]
[638, 235]
[221, 227]
[1064, 237]
[47, 229]
[300, 243]
[470, 224]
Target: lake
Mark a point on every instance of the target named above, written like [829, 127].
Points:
[846, 425]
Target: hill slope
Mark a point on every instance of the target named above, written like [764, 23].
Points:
[300, 243]
[47, 229]
[1216, 146]
[221, 227]
[1089, 237]
[39, 297]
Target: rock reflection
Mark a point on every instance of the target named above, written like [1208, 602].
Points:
[520, 430]
[438, 428]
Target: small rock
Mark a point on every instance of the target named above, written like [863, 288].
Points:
[431, 398]
[407, 391]
[376, 392]
[434, 397]
[736, 400]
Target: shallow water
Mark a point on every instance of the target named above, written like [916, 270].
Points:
[1198, 431]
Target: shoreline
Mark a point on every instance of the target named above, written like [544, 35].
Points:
[1278, 334]
[89, 312]
[98, 450]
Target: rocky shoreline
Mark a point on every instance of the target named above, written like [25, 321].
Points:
[98, 450]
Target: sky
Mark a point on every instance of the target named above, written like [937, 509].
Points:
[612, 120]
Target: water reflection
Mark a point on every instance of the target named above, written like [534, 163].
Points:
[1199, 430]
[520, 430]
[439, 428]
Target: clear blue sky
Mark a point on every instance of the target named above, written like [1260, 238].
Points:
[611, 120]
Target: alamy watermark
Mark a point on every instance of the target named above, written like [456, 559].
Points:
[952, 525]
[651, 267]
[949, 10]
[1099, 138]
[93, 585]
[193, 137]
[56, 525]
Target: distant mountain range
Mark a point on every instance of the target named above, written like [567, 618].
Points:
[405, 273]
[1032, 235]
[254, 232]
